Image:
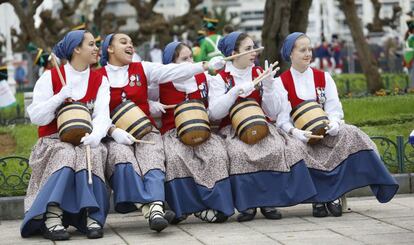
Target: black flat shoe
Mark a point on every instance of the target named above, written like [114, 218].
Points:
[335, 207]
[56, 235]
[319, 210]
[158, 223]
[169, 215]
[271, 213]
[175, 220]
[94, 233]
[246, 215]
[211, 216]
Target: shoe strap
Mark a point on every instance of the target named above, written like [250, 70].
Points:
[156, 210]
[208, 215]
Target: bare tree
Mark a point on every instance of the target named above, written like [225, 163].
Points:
[378, 23]
[282, 17]
[53, 27]
[152, 23]
[368, 63]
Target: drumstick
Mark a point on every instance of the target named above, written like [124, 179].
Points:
[312, 136]
[58, 70]
[169, 106]
[241, 54]
[88, 160]
[144, 142]
[258, 80]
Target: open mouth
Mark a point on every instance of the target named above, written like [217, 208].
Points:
[129, 52]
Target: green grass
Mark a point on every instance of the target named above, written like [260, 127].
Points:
[13, 111]
[370, 111]
[25, 137]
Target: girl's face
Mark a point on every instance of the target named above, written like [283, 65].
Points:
[87, 51]
[185, 55]
[121, 49]
[247, 60]
[301, 55]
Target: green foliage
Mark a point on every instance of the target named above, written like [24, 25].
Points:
[355, 85]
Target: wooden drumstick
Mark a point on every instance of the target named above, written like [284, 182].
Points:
[88, 160]
[169, 106]
[258, 80]
[144, 142]
[244, 53]
[62, 81]
[58, 70]
[312, 136]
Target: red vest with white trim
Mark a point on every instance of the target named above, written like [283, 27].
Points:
[229, 83]
[287, 80]
[169, 95]
[137, 93]
[95, 80]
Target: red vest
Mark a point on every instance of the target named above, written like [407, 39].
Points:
[137, 93]
[287, 80]
[95, 80]
[229, 82]
[169, 95]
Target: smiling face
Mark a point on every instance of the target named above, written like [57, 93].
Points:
[120, 50]
[247, 60]
[184, 54]
[87, 51]
[301, 55]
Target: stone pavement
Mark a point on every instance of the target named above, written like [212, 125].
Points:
[369, 222]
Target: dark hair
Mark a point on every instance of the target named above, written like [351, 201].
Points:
[239, 40]
[178, 50]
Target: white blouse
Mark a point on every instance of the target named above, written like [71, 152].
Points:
[305, 90]
[155, 73]
[220, 102]
[43, 108]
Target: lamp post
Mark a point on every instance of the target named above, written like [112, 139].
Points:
[9, 53]
[9, 62]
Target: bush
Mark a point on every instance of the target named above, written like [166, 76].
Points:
[355, 85]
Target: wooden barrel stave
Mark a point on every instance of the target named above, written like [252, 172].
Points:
[129, 117]
[249, 121]
[74, 121]
[192, 123]
[310, 116]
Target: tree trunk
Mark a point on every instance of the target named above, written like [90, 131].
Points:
[368, 63]
[275, 28]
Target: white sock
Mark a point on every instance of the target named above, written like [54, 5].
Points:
[208, 215]
[91, 223]
[154, 207]
[53, 218]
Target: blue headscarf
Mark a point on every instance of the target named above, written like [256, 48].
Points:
[288, 45]
[64, 48]
[168, 54]
[105, 45]
[227, 44]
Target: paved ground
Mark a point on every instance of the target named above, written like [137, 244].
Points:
[369, 223]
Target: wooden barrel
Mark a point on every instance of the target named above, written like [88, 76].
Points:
[129, 117]
[310, 116]
[74, 121]
[249, 121]
[191, 122]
